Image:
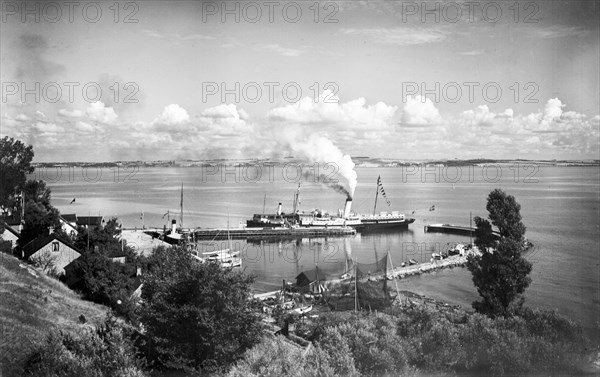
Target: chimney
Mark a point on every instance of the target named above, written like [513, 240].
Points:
[138, 271]
[51, 230]
[173, 226]
[347, 208]
[279, 210]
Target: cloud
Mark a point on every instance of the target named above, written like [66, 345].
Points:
[173, 115]
[420, 110]
[473, 52]
[559, 31]
[71, 113]
[402, 36]
[222, 111]
[176, 36]
[99, 112]
[290, 52]
[328, 113]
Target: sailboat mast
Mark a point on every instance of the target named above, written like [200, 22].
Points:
[264, 203]
[355, 287]
[471, 227]
[228, 235]
[376, 196]
[181, 208]
[395, 281]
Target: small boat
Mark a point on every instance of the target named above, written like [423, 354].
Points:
[412, 261]
[403, 264]
[303, 309]
[436, 256]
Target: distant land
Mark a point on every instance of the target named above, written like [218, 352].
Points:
[359, 161]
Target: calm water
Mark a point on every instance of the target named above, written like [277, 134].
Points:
[560, 207]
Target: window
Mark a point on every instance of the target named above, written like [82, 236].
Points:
[55, 246]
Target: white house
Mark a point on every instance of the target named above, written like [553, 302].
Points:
[51, 250]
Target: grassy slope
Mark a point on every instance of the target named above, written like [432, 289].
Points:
[31, 303]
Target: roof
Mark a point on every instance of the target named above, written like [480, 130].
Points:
[70, 217]
[89, 220]
[33, 246]
[308, 277]
[11, 229]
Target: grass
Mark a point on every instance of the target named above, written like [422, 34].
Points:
[33, 304]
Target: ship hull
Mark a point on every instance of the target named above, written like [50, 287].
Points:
[375, 225]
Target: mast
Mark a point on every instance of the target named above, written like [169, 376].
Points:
[181, 208]
[228, 235]
[376, 195]
[296, 198]
[395, 281]
[471, 227]
[264, 203]
[355, 287]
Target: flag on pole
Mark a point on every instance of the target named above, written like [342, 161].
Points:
[432, 208]
[380, 186]
[72, 201]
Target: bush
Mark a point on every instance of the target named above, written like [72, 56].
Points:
[85, 353]
[197, 316]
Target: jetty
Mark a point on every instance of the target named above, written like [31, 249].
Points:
[273, 233]
[453, 229]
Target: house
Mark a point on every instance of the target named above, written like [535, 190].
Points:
[51, 249]
[10, 234]
[90, 221]
[311, 281]
[68, 224]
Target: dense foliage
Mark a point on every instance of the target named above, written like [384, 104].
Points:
[15, 164]
[422, 341]
[102, 352]
[40, 215]
[500, 272]
[196, 316]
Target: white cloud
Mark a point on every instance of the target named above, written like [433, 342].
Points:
[97, 111]
[328, 113]
[560, 31]
[173, 115]
[290, 52]
[419, 110]
[222, 111]
[71, 113]
[403, 36]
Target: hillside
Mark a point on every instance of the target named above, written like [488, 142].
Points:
[31, 303]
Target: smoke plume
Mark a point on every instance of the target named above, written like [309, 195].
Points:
[319, 149]
[325, 181]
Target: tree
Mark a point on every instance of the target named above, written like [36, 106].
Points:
[501, 274]
[196, 316]
[39, 218]
[504, 212]
[15, 164]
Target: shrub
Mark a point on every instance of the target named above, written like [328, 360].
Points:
[85, 353]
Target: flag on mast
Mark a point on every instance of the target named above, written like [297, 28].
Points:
[380, 186]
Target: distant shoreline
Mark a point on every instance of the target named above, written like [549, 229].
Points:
[361, 162]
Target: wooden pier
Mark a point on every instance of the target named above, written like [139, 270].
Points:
[453, 229]
[266, 233]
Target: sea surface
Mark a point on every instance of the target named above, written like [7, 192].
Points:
[560, 207]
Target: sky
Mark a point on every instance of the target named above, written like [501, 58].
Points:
[321, 81]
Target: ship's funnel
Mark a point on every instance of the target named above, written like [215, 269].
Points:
[279, 210]
[347, 208]
[173, 226]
